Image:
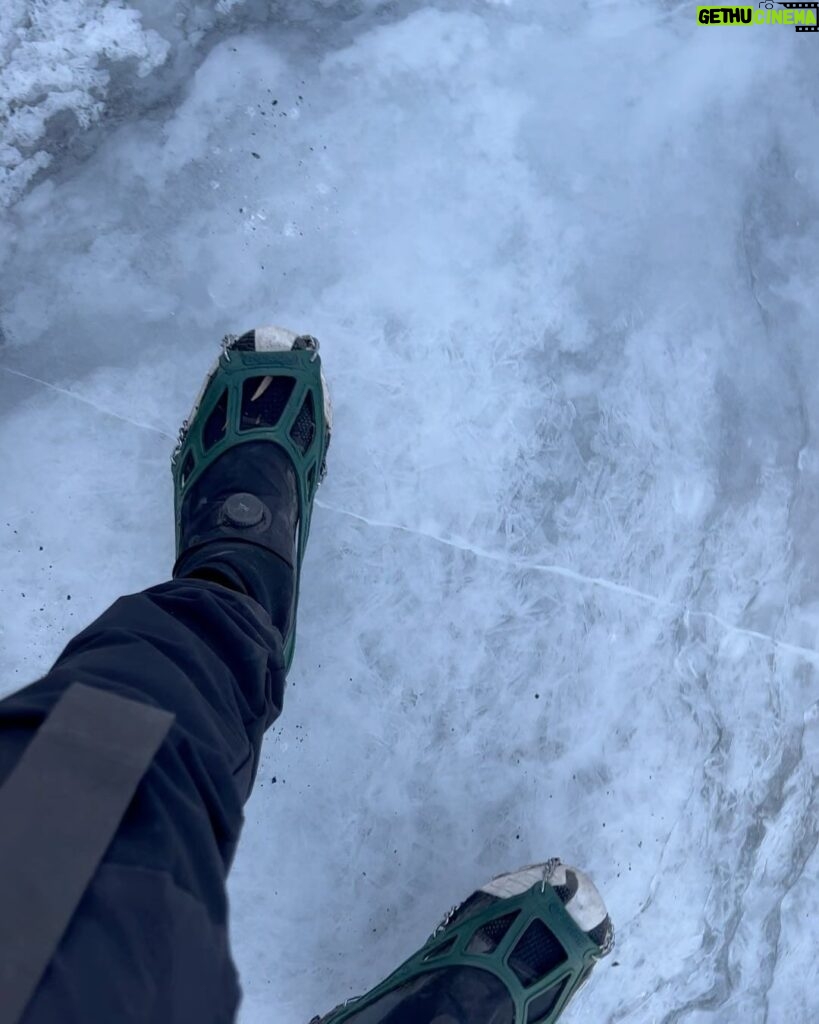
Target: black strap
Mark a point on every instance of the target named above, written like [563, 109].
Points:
[59, 811]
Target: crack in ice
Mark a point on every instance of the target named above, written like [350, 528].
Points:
[86, 401]
[577, 577]
[461, 544]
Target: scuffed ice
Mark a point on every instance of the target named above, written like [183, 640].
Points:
[562, 594]
[55, 58]
[67, 65]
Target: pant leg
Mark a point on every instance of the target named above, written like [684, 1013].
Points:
[148, 942]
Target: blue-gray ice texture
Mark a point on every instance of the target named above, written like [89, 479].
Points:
[562, 591]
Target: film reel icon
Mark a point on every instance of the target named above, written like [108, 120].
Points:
[798, 5]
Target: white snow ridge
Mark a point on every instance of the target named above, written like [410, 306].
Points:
[57, 57]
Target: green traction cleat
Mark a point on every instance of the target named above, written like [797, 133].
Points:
[516, 952]
[266, 386]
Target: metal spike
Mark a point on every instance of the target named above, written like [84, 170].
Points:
[260, 390]
[227, 343]
[180, 441]
[307, 342]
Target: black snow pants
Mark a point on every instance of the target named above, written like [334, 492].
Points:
[149, 940]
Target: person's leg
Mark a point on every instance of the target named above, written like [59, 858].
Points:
[149, 940]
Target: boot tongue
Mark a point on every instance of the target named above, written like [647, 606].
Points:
[218, 506]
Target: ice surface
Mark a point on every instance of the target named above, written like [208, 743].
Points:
[562, 593]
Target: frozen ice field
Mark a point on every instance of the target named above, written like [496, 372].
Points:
[562, 592]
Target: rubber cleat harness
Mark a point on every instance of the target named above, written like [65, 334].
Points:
[266, 386]
[516, 952]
